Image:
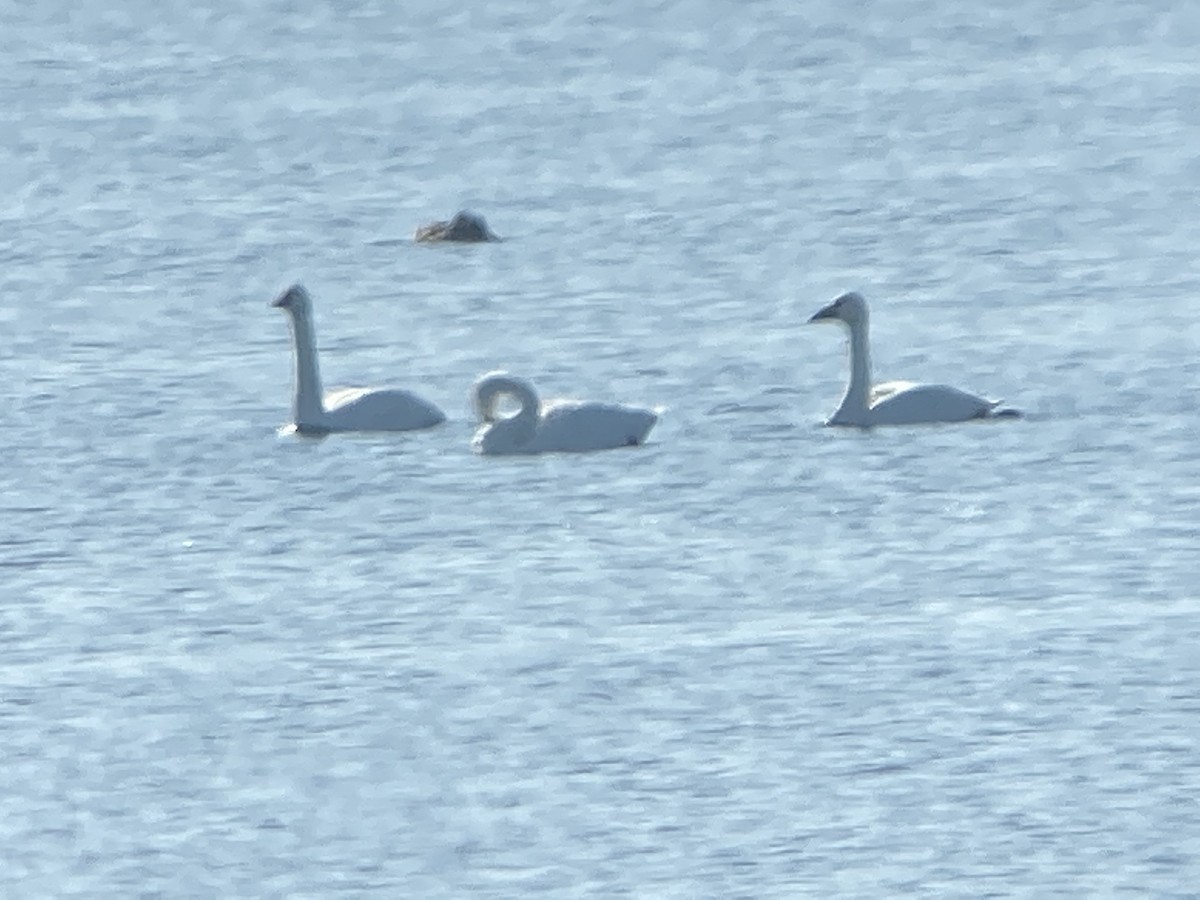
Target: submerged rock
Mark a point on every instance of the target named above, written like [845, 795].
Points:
[465, 227]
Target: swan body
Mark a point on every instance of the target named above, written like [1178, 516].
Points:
[894, 402]
[345, 409]
[558, 426]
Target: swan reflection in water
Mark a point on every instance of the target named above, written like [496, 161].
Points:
[557, 426]
[895, 402]
[343, 409]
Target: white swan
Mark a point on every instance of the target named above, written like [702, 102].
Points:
[345, 409]
[556, 426]
[894, 402]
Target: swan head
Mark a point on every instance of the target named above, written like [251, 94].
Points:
[295, 300]
[850, 308]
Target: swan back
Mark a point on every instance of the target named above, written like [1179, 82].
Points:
[906, 403]
[578, 426]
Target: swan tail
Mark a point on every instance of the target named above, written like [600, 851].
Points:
[995, 411]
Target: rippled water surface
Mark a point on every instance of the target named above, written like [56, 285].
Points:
[754, 658]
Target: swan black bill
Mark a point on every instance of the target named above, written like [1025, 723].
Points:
[822, 314]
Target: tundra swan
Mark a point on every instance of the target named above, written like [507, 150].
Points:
[894, 402]
[344, 409]
[556, 426]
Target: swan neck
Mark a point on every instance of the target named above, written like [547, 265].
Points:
[306, 401]
[858, 392]
[527, 415]
[510, 431]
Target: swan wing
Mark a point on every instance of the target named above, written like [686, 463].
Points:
[885, 389]
[574, 426]
[340, 396]
[913, 404]
[379, 409]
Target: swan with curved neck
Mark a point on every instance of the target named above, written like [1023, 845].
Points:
[894, 402]
[345, 409]
[558, 426]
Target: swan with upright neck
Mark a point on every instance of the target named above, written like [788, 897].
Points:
[344, 409]
[894, 402]
[557, 426]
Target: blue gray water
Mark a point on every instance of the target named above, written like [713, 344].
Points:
[755, 658]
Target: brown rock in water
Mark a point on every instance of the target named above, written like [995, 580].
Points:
[465, 227]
